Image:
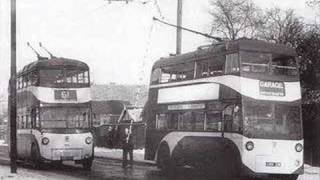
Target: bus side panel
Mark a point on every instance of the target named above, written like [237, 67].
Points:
[152, 142]
[20, 140]
[153, 138]
[24, 139]
[26, 99]
[311, 134]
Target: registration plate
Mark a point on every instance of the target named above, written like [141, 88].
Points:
[273, 164]
[66, 158]
[67, 153]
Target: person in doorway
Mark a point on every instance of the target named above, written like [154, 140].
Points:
[109, 137]
[237, 118]
[127, 148]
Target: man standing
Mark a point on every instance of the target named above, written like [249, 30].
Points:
[127, 148]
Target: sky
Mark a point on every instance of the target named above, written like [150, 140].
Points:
[119, 41]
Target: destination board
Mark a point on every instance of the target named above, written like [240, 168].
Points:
[186, 106]
[272, 88]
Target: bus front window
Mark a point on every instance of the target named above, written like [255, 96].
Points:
[272, 121]
[64, 117]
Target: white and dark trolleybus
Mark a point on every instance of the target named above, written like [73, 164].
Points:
[233, 106]
[54, 112]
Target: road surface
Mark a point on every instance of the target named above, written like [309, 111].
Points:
[106, 169]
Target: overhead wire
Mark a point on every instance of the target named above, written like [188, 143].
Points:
[157, 6]
[104, 5]
[145, 58]
[89, 13]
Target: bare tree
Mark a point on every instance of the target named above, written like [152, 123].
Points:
[313, 3]
[281, 26]
[235, 18]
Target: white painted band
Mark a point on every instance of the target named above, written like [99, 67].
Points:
[46, 95]
[245, 86]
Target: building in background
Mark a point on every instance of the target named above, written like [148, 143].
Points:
[135, 94]
[111, 118]
[131, 117]
[107, 112]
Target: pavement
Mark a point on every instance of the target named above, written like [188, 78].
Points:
[116, 154]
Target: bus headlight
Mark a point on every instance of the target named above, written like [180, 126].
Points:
[299, 147]
[45, 141]
[89, 140]
[249, 145]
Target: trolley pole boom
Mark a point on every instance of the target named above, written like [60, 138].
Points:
[189, 30]
[13, 93]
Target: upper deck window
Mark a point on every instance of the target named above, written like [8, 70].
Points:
[212, 66]
[268, 63]
[284, 65]
[209, 67]
[64, 78]
[179, 72]
[232, 63]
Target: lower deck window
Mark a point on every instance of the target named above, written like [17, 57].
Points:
[213, 121]
[167, 121]
[186, 121]
[162, 121]
[192, 121]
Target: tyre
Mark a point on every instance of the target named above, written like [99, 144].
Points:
[290, 177]
[35, 157]
[86, 164]
[223, 165]
[164, 161]
[284, 177]
[56, 163]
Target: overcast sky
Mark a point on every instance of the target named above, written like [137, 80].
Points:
[119, 41]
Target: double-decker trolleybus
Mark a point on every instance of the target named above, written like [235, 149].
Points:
[54, 112]
[233, 106]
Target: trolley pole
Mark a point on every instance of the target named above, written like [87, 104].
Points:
[179, 24]
[13, 93]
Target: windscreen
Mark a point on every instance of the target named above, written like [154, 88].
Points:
[64, 117]
[272, 121]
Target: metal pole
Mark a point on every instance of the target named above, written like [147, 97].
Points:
[13, 93]
[179, 24]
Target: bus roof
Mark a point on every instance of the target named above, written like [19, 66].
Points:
[53, 63]
[224, 47]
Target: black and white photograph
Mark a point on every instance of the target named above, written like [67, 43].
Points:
[160, 90]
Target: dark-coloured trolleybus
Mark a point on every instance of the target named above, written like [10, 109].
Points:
[233, 106]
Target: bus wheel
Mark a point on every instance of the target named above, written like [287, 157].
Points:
[87, 164]
[35, 156]
[164, 161]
